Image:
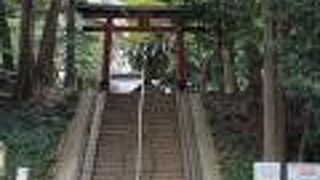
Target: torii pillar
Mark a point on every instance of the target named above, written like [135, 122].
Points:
[182, 61]
[107, 50]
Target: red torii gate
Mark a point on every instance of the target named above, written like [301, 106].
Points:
[144, 15]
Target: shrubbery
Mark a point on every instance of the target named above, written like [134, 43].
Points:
[31, 133]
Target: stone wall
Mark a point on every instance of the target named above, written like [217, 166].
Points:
[201, 159]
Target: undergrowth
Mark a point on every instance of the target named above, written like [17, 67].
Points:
[240, 146]
[237, 144]
[31, 133]
[238, 153]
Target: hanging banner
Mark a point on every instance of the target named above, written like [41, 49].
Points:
[267, 171]
[303, 171]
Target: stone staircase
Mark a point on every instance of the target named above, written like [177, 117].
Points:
[117, 144]
[7, 84]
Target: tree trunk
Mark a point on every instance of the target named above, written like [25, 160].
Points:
[229, 78]
[203, 77]
[273, 129]
[45, 63]
[281, 125]
[70, 78]
[5, 38]
[255, 80]
[254, 89]
[25, 83]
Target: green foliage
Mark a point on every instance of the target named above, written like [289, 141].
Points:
[155, 58]
[237, 24]
[199, 52]
[31, 133]
[88, 59]
[300, 47]
[238, 158]
[299, 61]
[239, 169]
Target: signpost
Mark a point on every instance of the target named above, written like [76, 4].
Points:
[22, 173]
[291, 171]
[267, 171]
[2, 160]
[303, 171]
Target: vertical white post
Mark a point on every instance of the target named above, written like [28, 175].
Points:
[22, 173]
[2, 160]
[139, 161]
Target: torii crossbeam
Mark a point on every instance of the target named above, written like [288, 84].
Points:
[144, 15]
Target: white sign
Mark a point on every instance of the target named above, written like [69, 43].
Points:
[2, 159]
[303, 171]
[267, 171]
[22, 173]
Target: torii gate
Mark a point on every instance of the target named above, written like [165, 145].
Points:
[144, 15]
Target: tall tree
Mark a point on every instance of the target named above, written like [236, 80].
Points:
[225, 46]
[70, 78]
[273, 128]
[25, 83]
[45, 63]
[5, 38]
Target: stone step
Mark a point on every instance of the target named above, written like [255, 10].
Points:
[125, 168]
[5, 96]
[159, 118]
[117, 144]
[7, 88]
[163, 167]
[7, 81]
[128, 175]
[8, 73]
[169, 127]
[150, 110]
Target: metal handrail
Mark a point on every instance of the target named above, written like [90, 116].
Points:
[139, 160]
